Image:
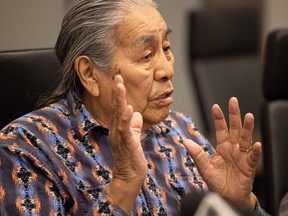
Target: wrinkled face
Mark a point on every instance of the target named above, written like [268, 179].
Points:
[145, 61]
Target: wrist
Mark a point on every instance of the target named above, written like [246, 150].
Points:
[124, 193]
[249, 207]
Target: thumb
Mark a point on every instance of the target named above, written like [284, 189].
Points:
[136, 122]
[198, 155]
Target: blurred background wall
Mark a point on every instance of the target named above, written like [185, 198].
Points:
[36, 23]
[30, 24]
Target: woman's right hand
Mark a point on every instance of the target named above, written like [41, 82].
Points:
[130, 166]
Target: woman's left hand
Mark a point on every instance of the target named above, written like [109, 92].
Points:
[231, 170]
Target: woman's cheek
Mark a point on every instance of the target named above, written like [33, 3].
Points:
[138, 98]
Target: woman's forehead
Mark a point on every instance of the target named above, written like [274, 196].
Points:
[142, 26]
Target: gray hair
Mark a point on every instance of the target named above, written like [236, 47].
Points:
[88, 28]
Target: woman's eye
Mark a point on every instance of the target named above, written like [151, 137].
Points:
[147, 57]
[167, 49]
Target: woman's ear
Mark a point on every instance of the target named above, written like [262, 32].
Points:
[86, 71]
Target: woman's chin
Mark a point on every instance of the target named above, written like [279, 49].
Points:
[155, 117]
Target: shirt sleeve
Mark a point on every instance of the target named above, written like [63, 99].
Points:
[259, 211]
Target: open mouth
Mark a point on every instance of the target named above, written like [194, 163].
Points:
[168, 94]
[165, 95]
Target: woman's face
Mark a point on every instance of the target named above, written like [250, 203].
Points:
[145, 61]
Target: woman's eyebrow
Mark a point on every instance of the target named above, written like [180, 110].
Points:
[150, 37]
[168, 32]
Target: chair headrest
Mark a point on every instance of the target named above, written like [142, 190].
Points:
[25, 75]
[275, 77]
[223, 32]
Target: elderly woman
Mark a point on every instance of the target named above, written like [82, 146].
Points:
[107, 142]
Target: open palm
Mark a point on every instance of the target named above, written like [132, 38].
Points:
[231, 170]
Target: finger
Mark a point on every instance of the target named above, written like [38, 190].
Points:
[121, 112]
[120, 132]
[113, 119]
[120, 92]
[198, 155]
[220, 124]
[137, 122]
[116, 93]
[235, 122]
[245, 141]
[255, 155]
[124, 111]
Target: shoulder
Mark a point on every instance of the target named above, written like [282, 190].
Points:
[32, 126]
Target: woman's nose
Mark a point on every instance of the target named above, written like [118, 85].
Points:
[164, 69]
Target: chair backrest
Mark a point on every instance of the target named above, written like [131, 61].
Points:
[275, 118]
[225, 60]
[25, 75]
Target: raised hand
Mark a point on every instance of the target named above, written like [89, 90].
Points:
[130, 165]
[231, 170]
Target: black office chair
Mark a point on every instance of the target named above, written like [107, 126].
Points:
[275, 118]
[25, 76]
[225, 61]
